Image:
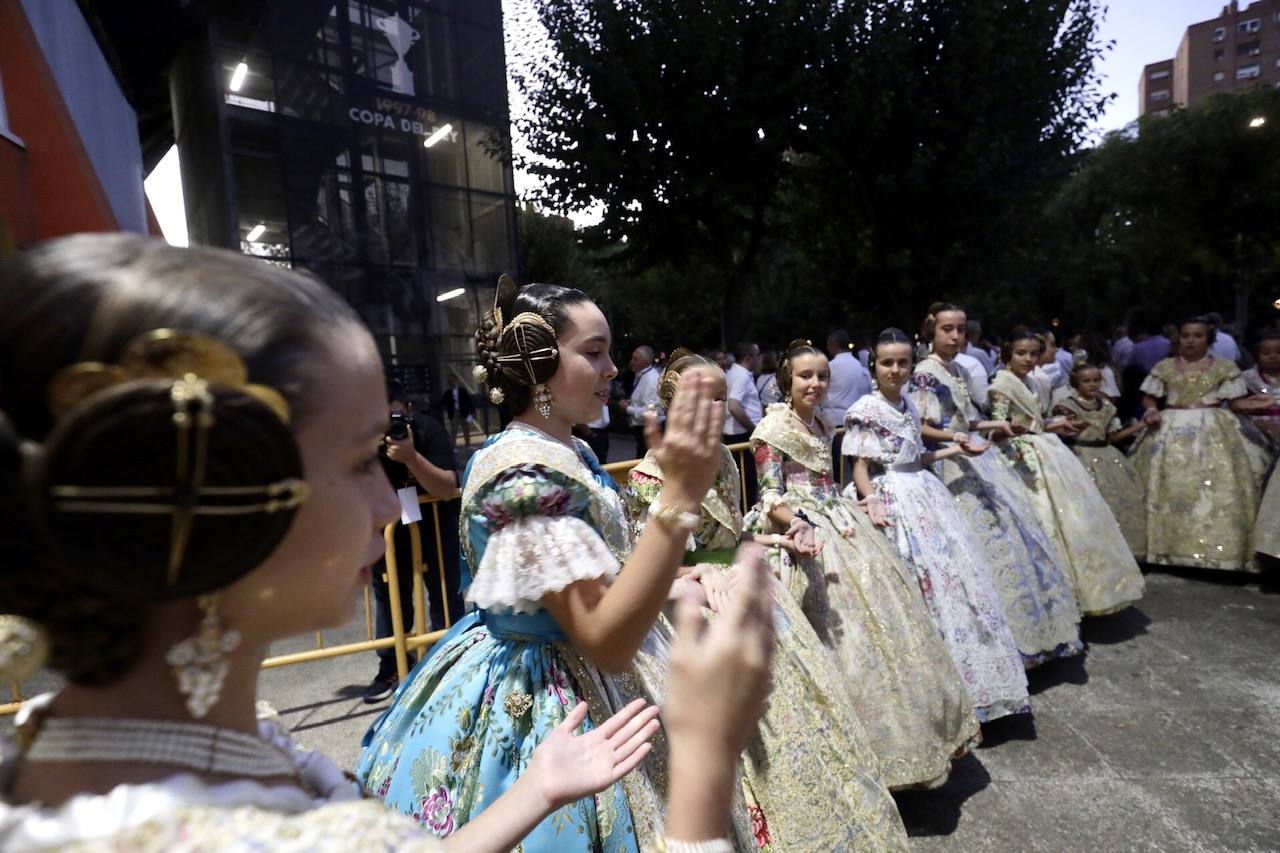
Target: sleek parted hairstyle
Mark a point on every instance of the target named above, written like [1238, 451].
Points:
[95, 301]
[680, 360]
[1016, 335]
[794, 350]
[516, 342]
[889, 336]
[1201, 320]
[930, 323]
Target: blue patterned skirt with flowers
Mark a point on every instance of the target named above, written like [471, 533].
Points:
[464, 723]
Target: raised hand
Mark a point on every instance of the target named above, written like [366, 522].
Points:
[567, 767]
[719, 672]
[689, 451]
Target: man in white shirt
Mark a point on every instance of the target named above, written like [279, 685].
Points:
[976, 378]
[743, 409]
[1121, 347]
[973, 347]
[644, 395]
[1224, 346]
[850, 381]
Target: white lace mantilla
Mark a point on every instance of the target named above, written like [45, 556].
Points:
[535, 555]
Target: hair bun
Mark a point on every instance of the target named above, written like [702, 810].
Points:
[126, 438]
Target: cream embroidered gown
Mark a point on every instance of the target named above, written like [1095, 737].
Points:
[935, 543]
[1202, 471]
[1110, 470]
[809, 738]
[1020, 555]
[865, 606]
[1104, 574]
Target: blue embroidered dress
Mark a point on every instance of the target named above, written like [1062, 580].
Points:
[536, 517]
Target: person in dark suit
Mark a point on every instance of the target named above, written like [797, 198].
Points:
[459, 408]
[425, 460]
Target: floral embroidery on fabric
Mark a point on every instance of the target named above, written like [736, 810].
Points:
[759, 826]
[437, 812]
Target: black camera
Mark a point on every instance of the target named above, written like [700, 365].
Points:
[398, 428]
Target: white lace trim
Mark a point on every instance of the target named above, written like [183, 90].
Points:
[535, 555]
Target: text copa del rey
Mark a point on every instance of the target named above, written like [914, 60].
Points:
[395, 115]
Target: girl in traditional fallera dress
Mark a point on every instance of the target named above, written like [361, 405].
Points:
[915, 509]
[1028, 574]
[863, 603]
[1202, 472]
[1263, 381]
[559, 617]
[1103, 572]
[1095, 446]
[211, 375]
[809, 739]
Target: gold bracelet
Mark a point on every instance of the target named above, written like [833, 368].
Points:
[673, 517]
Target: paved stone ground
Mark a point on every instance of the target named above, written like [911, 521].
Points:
[1165, 737]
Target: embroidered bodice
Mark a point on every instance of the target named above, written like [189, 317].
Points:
[941, 396]
[880, 432]
[1183, 384]
[720, 521]
[1098, 422]
[1012, 399]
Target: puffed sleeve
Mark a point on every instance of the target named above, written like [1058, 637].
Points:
[539, 540]
[769, 475]
[863, 437]
[1232, 386]
[923, 391]
[1154, 383]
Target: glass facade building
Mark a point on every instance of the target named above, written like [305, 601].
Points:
[366, 141]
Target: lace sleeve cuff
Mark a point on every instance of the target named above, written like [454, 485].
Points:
[535, 555]
[1153, 385]
[771, 500]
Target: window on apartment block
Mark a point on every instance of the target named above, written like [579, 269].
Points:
[1249, 48]
[4, 114]
[1219, 34]
[1160, 95]
[1219, 76]
[1157, 75]
[1250, 26]
[1249, 72]
[1217, 54]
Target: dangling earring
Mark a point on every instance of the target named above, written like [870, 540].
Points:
[198, 662]
[542, 399]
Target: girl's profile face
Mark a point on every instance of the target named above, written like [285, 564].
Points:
[1088, 382]
[948, 332]
[1269, 357]
[1193, 341]
[313, 579]
[893, 365]
[1024, 355]
[810, 378]
[581, 383]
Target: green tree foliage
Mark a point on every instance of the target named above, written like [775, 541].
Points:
[674, 116]
[1183, 216]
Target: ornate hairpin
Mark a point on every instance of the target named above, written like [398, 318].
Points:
[195, 363]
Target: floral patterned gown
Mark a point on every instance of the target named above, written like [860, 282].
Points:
[1203, 468]
[1268, 421]
[536, 517]
[1020, 555]
[1104, 574]
[948, 563]
[1110, 470]
[1266, 530]
[809, 738]
[865, 606]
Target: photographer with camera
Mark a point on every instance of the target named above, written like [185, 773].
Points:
[418, 455]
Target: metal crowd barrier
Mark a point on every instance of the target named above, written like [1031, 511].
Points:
[405, 638]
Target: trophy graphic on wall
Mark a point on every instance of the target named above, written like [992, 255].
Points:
[402, 37]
